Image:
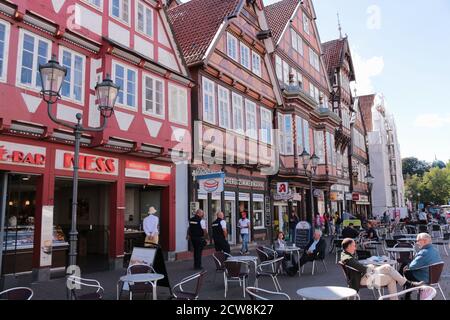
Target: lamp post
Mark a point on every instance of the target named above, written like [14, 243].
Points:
[369, 179]
[314, 161]
[52, 75]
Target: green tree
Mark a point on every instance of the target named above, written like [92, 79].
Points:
[438, 164]
[412, 166]
[436, 185]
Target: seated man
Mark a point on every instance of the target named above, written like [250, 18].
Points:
[371, 232]
[427, 255]
[315, 248]
[350, 232]
[381, 276]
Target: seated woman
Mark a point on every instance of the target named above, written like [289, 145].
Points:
[280, 244]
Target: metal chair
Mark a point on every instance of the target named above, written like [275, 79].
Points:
[337, 247]
[262, 294]
[434, 274]
[236, 271]
[347, 271]
[180, 294]
[219, 258]
[319, 257]
[78, 283]
[443, 242]
[275, 269]
[404, 258]
[141, 287]
[436, 230]
[262, 254]
[18, 293]
[423, 293]
[411, 229]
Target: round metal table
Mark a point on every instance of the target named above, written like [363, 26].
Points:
[292, 249]
[327, 293]
[152, 278]
[378, 262]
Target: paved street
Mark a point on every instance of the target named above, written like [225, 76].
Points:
[214, 290]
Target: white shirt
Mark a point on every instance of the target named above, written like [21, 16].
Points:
[244, 224]
[423, 216]
[313, 245]
[203, 224]
[151, 225]
[223, 224]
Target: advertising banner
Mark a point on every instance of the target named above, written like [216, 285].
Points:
[211, 183]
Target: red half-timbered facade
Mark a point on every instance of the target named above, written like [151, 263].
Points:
[124, 169]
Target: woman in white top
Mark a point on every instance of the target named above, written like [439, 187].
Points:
[151, 226]
[244, 225]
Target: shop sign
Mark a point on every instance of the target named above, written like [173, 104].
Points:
[134, 169]
[348, 196]
[229, 195]
[244, 182]
[318, 193]
[202, 171]
[355, 196]
[297, 197]
[258, 198]
[87, 163]
[21, 154]
[211, 183]
[282, 188]
[158, 172]
[363, 198]
[244, 196]
[46, 246]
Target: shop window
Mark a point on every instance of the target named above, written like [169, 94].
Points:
[72, 87]
[258, 214]
[4, 44]
[153, 96]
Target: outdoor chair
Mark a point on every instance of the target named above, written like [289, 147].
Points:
[319, 257]
[262, 254]
[262, 294]
[18, 293]
[435, 271]
[338, 248]
[272, 269]
[436, 231]
[181, 294]
[78, 283]
[422, 228]
[443, 242]
[404, 258]
[219, 258]
[141, 287]
[348, 271]
[236, 271]
[411, 229]
[423, 293]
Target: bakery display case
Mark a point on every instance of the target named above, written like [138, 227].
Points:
[18, 244]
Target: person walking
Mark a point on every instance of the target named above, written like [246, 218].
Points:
[293, 221]
[151, 228]
[244, 225]
[198, 234]
[220, 233]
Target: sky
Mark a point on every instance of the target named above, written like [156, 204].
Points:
[401, 49]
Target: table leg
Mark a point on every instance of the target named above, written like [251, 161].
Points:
[154, 291]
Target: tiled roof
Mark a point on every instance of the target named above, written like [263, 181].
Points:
[278, 15]
[196, 22]
[332, 51]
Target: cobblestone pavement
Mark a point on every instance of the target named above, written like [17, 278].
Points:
[213, 287]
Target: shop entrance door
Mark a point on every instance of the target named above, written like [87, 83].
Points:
[92, 221]
[230, 218]
[281, 214]
[244, 206]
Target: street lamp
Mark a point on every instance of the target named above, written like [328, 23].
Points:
[314, 161]
[370, 179]
[52, 76]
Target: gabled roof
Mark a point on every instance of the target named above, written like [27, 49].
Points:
[278, 15]
[365, 104]
[196, 23]
[334, 54]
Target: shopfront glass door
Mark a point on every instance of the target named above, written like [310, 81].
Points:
[230, 213]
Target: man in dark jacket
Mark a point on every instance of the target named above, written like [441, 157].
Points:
[220, 234]
[361, 275]
[315, 249]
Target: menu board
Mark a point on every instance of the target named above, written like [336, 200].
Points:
[302, 234]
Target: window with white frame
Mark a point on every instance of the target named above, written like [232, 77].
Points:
[299, 134]
[297, 42]
[306, 142]
[286, 135]
[232, 45]
[279, 68]
[120, 9]
[314, 92]
[266, 125]
[209, 101]
[178, 104]
[250, 120]
[298, 78]
[238, 113]
[305, 23]
[286, 69]
[258, 211]
[97, 3]
[314, 59]
[153, 96]
[319, 146]
[245, 56]
[126, 78]
[4, 45]
[72, 86]
[33, 51]
[330, 155]
[333, 150]
[256, 63]
[144, 18]
[224, 108]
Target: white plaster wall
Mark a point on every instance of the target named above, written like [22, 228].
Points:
[182, 207]
[88, 19]
[119, 34]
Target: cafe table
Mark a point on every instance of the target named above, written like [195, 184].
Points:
[327, 293]
[151, 278]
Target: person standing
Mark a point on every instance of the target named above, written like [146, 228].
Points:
[244, 225]
[151, 228]
[326, 223]
[337, 223]
[198, 233]
[220, 233]
[293, 221]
